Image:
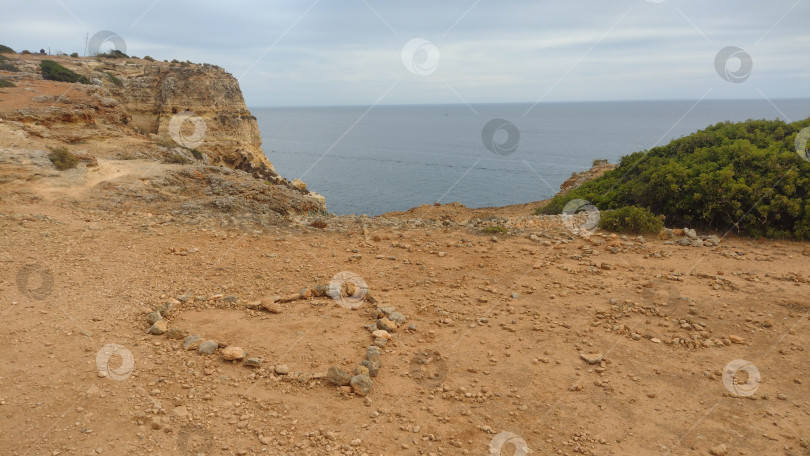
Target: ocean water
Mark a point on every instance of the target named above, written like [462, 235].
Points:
[371, 160]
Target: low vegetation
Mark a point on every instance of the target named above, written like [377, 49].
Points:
[630, 219]
[6, 50]
[496, 229]
[56, 72]
[62, 158]
[6, 83]
[113, 54]
[744, 176]
[115, 80]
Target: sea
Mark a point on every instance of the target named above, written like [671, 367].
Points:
[376, 159]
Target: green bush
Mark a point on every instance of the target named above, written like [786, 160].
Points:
[75, 54]
[62, 159]
[7, 66]
[113, 54]
[630, 219]
[115, 80]
[150, 59]
[744, 176]
[196, 153]
[6, 83]
[496, 229]
[55, 72]
[6, 50]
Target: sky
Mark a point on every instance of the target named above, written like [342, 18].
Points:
[364, 52]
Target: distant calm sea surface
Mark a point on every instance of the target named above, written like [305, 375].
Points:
[392, 158]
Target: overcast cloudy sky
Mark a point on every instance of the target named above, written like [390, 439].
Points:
[308, 52]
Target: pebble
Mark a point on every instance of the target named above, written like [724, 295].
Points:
[373, 354]
[253, 362]
[160, 327]
[208, 347]
[719, 450]
[282, 369]
[361, 384]
[397, 318]
[373, 368]
[736, 339]
[271, 306]
[591, 358]
[192, 342]
[338, 376]
[153, 317]
[386, 324]
[379, 342]
[381, 334]
[362, 370]
[176, 333]
[231, 353]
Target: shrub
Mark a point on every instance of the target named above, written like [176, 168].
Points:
[25, 51]
[113, 54]
[7, 66]
[55, 72]
[176, 159]
[630, 219]
[745, 175]
[62, 159]
[75, 54]
[6, 50]
[6, 83]
[115, 80]
[318, 224]
[496, 229]
[150, 59]
[196, 153]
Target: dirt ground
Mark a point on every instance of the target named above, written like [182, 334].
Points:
[502, 327]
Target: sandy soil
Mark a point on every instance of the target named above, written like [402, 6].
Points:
[506, 320]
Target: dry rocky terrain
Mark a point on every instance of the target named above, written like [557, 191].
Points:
[162, 308]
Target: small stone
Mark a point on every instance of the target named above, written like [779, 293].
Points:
[719, 450]
[386, 324]
[373, 368]
[165, 308]
[373, 355]
[153, 317]
[230, 299]
[591, 358]
[160, 327]
[397, 318]
[253, 362]
[271, 306]
[176, 333]
[655, 340]
[208, 347]
[379, 342]
[231, 353]
[381, 334]
[192, 342]
[156, 424]
[180, 411]
[338, 376]
[282, 369]
[736, 339]
[362, 370]
[361, 384]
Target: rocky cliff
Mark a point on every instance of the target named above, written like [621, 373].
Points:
[136, 109]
